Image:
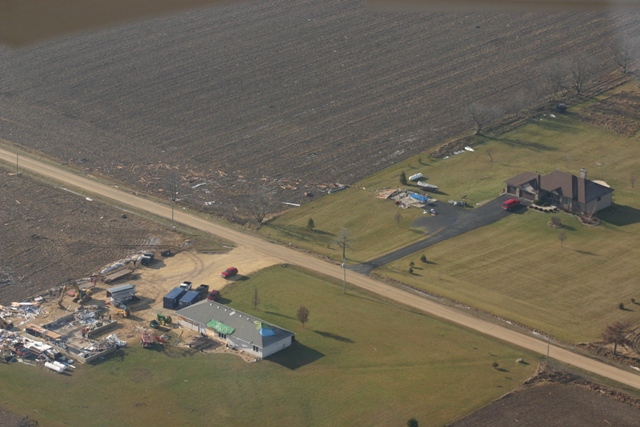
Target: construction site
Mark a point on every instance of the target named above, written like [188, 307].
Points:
[85, 320]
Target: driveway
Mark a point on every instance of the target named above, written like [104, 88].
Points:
[451, 221]
[287, 255]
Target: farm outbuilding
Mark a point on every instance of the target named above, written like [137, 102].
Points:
[238, 330]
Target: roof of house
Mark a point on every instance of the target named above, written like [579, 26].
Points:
[568, 185]
[522, 179]
[247, 328]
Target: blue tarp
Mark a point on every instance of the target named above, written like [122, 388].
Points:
[419, 197]
[266, 332]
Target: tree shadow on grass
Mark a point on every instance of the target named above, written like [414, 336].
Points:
[620, 215]
[296, 356]
[536, 146]
[273, 313]
[585, 252]
[334, 337]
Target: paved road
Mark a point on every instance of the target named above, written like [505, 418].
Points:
[290, 256]
[451, 221]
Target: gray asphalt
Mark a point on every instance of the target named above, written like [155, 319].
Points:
[451, 221]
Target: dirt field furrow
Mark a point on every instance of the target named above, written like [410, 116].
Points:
[313, 92]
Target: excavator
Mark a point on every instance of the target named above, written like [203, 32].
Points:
[81, 295]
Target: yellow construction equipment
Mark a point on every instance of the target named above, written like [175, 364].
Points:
[81, 295]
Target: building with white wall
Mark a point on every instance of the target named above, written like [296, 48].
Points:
[236, 329]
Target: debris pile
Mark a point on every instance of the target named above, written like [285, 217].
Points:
[405, 198]
[17, 347]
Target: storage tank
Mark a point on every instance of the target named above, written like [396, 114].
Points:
[58, 367]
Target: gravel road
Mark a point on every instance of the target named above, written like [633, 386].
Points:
[287, 255]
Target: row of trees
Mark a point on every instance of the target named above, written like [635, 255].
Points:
[556, 81]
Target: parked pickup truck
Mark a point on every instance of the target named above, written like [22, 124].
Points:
[185, 285]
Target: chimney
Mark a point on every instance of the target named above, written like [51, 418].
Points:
[583, 173]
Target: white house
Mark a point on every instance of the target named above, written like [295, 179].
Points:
[236, 329]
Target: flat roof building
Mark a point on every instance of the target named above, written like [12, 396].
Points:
[237, 329]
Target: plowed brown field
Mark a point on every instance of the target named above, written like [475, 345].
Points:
[49, 235]
[289, 95]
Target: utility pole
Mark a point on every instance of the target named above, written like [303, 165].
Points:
[344, 242]
[548, 344]
[173, 226]
[344, 269]
[17, 163]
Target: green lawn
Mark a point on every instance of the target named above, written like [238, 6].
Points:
[546, 144]
[518, 268]
[360, 361]
[515, 268]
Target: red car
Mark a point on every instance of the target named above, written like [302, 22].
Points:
[510, 204]
[214, 296]
[229, 272]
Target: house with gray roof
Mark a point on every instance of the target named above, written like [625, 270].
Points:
[236, 329]
[571, 193]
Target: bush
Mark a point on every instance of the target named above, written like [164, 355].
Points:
[412, 264]
[495, 365]
[423, 259]
[621, 306]
[412, 422]
[410, 270]
[403, 178]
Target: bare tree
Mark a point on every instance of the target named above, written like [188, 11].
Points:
[616, 334]
[259, 206]
[490, 154]
[483, 115]
[582, 72]
[633, 180]
[310, 224]
[622, 57]
[256, 299]
[562, 236]
[344, 241]
[398, 218]
[522, 100]
[172, 187]
[303, 315]
[554, 76]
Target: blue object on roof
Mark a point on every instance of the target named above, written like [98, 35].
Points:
[267, 332]
[419, 197]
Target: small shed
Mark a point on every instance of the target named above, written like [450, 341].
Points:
[121, 292]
